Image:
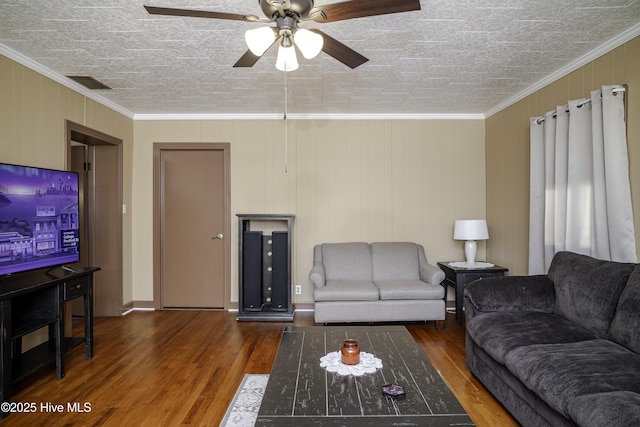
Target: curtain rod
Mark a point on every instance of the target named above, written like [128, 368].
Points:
[615, 90]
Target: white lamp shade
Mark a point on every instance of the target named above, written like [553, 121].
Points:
[287, 60]
[309, 43]
[259, 39]
[470, 229]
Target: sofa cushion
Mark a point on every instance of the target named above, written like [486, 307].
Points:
[587, 289]
[500, 332]
[347, 261]
[560, 373]
[409, 289]
[511, 293]
[347, 290]
[611, 409]
[625, 327]
[395, 261]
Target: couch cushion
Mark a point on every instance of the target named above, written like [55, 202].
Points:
[347, 261]
[395, 261]
[347, 290]
[511, 293]
[500, 332]
[625, 327]
[560, 373]
[409, 289]
[611, 409]
[587, 289]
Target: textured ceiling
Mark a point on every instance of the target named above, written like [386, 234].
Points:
[452, 57]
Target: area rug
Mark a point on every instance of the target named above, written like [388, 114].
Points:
[245, 404]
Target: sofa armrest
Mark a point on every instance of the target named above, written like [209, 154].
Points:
[429, 273]
[317, 273]
[509, 293]
[317, 276]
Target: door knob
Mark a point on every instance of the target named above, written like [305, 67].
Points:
[219, 236]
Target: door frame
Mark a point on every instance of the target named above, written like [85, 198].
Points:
[158, 148]
[91, 137]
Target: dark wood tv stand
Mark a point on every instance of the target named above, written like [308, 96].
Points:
[33, 300]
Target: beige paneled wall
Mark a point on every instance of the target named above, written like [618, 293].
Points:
[507, 141]
[33, 110]
[346, 180]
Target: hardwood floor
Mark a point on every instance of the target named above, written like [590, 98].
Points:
[168, 368]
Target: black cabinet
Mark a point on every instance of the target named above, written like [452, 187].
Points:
[264, 264]
[33, 300]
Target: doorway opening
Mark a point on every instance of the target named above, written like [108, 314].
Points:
[97, 157]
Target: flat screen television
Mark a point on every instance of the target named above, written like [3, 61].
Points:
[39, 221]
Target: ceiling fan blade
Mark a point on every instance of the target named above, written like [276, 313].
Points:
[340, 51]
[361, 8]
[247, 60]
[153, 10]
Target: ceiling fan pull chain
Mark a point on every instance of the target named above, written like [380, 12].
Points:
[286, 131]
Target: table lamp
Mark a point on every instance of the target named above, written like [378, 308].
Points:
[470, 230]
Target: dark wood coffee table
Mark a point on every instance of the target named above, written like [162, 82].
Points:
[301, 393]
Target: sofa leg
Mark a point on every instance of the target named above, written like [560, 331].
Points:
[439, 325]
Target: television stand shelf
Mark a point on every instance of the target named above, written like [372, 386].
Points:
[33, 300]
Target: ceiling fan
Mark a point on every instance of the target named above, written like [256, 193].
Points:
[287, 15]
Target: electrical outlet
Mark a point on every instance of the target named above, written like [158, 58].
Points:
[298, 289]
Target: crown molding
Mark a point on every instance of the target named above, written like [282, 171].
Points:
[148, 117]
[201, 116]
[443, 116]
[47, 72]
[617, 41]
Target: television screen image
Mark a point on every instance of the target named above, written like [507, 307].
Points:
[39, 221]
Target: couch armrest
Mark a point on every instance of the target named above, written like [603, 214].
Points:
[429, 273]
[509, 293]
[317, 273]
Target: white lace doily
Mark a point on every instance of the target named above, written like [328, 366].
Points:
[332, 362]
[464, 264]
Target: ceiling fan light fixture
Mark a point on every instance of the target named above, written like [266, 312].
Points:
[287, 14]
[287, 60]
[309, 43]
[259, 39]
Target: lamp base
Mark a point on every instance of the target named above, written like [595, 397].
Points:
[470, 250]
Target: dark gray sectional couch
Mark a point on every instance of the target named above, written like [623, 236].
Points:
[561, 349]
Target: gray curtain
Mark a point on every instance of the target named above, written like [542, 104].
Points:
[580, 194]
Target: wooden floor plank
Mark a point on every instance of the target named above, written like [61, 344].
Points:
[182, 368]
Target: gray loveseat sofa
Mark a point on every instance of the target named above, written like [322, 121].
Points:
[377, 282]
[561, 349]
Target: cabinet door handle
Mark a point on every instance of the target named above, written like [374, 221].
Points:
[219, 236]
